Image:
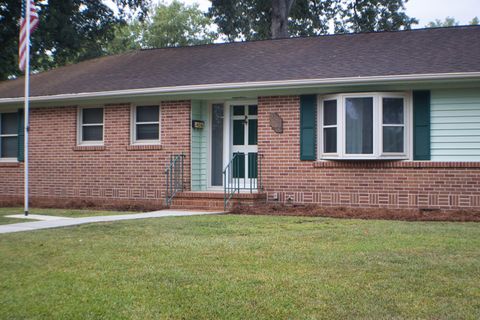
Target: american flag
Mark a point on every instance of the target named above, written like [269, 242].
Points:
[22, 44]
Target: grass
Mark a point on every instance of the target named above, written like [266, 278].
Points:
[243, 267]
[71, 213]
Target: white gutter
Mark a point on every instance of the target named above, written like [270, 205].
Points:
[226, 87]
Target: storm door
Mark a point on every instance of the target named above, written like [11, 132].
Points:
[244, 129]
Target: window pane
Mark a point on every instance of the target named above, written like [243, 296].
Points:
[252, 110]
[93, 133]
[92, 115]
[330, 112]
[329, 140]
[9, 123]
[393, 139]
[393, 111]
[217, 145]
[238, 110]
[359, 125]
[9, 147]
[147, 132]
[253, 165]
[239, 166]
[252, 132]
[148, 114]
[238, 132]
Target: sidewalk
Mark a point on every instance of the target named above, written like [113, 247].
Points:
[57, 222]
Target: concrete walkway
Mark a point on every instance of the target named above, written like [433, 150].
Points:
[66, 222]
[36, 217]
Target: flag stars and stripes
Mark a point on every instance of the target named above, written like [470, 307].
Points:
[23, 31]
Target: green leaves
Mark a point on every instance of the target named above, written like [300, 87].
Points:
[450, 22]
[251, 19]
[373, 15]
[69, 31]
[170, 25]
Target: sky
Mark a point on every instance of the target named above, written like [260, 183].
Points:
[424, 10]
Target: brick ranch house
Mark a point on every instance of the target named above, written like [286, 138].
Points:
[387, 119]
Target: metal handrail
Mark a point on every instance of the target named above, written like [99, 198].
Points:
[174, 177]
[232, 183]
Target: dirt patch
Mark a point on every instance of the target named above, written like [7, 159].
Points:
[359, 213]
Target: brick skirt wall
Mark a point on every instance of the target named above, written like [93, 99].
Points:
[60, 170]
[388, 184]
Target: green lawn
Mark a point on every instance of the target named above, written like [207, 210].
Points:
[52, 212]
[243, 267]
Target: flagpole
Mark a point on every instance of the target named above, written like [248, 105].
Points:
[27, 105]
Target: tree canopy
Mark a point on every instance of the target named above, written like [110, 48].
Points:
[175, 24]
[69, 31]
[450, 22]
[252, 19]
[438, 23]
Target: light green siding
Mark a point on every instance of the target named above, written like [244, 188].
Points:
[455, 125]
[199, 146]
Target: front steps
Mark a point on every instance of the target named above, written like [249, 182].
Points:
[213, 200]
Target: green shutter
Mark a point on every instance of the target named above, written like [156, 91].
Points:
[21, 136]
[308, 131]
[421, 125]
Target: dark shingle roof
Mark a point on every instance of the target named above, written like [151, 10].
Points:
[424, 51]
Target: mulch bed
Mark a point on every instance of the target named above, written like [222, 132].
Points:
[359, 213]
[117, 205]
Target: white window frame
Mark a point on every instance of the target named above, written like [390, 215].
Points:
[14, 159]
[378, 125]
[80, 126]
[133, 125]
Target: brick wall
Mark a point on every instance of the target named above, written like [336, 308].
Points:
[355, 183]
[116, 171]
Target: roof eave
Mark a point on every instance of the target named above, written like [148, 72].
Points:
[243, 86]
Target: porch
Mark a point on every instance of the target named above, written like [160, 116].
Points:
[225, 164]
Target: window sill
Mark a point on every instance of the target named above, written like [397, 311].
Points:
[366, 159]
[139, 147]
[9, 163]
[392, 164]
[89, 148]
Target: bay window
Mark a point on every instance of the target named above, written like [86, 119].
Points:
[364, 126]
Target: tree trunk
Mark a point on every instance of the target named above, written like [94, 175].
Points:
[280, 12]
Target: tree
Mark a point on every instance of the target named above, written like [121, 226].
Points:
[170, 25]
[69, 31]
[280, 11]
[257, 19]
[373, 15]
[252, 19]
[448, 22]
